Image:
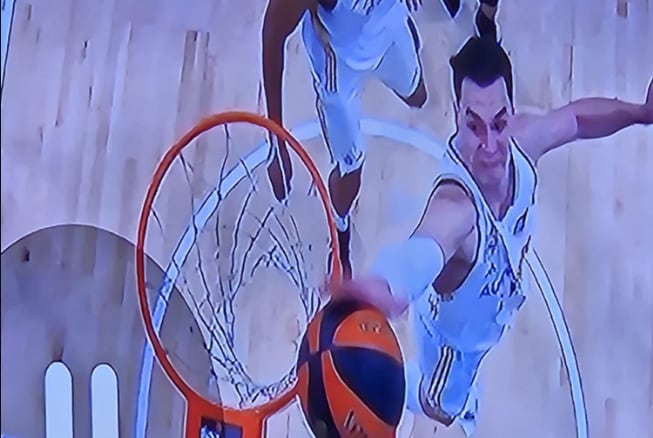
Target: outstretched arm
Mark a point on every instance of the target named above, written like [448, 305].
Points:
[402, 271]
[593, 117]
[280, 20]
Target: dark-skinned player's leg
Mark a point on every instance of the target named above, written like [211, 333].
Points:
[485, 19]
[343, 190]
[339, 116]
[337, 89]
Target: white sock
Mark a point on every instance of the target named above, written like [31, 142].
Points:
[342, 223]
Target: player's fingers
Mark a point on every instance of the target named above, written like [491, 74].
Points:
[339, 289]
[331, 287]
[325, 288]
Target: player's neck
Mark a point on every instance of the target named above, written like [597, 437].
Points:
[498, 193]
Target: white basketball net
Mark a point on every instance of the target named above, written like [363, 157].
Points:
[237, 232]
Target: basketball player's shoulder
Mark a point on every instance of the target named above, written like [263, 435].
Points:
[452, 191]
[452, 198]
[450, 216]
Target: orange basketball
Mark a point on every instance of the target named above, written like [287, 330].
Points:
[350, 370]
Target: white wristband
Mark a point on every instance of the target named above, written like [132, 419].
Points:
[409, 267]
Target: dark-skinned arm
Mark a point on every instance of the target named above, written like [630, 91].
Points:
[280, 21]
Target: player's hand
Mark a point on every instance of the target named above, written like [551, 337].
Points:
[371, 290]
[413, 5]
[360, 289]
[280, 169]
[648, 105]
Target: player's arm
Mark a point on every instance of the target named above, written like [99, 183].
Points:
[279, 22]
[402, 271]
[588, 118]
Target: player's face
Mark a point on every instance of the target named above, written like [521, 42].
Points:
[483, 115]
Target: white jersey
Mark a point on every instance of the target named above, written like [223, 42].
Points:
[482, 307]
[361, 31]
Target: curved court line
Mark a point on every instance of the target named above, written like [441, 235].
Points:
[372, 127]
[564, 338]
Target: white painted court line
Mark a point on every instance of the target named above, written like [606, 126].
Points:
[104, 402]
[59, 404]
[58, 401]
[564, 339]
[371, 127]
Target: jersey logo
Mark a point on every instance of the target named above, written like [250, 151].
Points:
[504, 284]
[493, 255]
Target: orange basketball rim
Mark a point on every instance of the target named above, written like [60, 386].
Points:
[250, 420]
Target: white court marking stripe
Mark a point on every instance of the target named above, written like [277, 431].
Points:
[104, 402]
[373, 127]
[564, 339]
[58, 401]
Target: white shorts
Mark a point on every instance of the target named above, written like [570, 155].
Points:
[446, 376]
[338, 88]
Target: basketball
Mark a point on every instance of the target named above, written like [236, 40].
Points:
[350, 370]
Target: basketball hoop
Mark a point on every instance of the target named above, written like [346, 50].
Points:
[248, 420]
